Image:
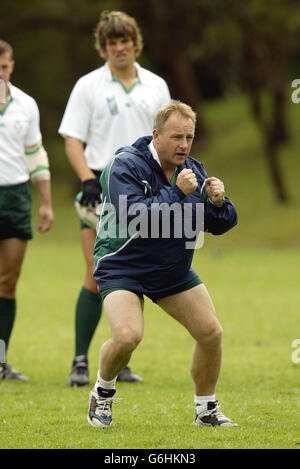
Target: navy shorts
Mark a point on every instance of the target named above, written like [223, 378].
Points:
[157, 296]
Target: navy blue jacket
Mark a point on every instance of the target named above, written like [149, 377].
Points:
[147, 262]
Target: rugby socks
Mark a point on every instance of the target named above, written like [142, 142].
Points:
[87, 315]
[105, 384]
[202, 401]
[7, 318]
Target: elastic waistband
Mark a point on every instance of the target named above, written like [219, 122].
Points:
[13, 186]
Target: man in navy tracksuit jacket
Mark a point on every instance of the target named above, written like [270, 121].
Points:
[156, 199]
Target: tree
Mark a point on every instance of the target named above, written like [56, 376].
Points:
[167, 38]
[267, 44]
[201, 47]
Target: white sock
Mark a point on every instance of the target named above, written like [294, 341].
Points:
[203, 400]
[105, 384]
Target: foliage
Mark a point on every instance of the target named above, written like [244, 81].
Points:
[54, 45]
[204, 49]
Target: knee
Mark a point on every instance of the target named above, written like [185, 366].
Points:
[211, 336]
[128, 339]
[8, 282]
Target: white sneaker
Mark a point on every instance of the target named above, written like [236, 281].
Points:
[212, 417]
[100, 406]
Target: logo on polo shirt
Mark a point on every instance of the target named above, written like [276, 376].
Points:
[18, 126]
[112, 105]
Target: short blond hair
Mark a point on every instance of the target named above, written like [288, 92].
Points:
[165, 112]
[6, 48]
[114, 24]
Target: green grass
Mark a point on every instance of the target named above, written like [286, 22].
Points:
[252, 274]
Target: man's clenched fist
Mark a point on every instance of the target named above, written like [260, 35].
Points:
[215, 190]
[186, 181]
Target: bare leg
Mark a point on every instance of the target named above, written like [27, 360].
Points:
[124, 310]
[12, 251]
[194, 309]
[88, 237]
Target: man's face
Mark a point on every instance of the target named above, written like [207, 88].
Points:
[6, 66]
[120, 52]
[173, 144]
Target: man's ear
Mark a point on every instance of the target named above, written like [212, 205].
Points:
[155, 134]
[12, 66]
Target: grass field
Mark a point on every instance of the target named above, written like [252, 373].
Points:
[252, 274]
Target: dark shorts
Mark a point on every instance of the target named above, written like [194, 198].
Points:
[158, 296]
[15, 212]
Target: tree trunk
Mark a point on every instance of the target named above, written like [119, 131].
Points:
[272, 156]
[185, 84]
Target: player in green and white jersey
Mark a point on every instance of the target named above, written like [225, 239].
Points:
[22, 157]
[108, 108]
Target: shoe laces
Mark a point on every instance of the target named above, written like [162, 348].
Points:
[217, 411]
[104, 404]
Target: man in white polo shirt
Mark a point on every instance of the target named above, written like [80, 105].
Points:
[108, 108]
[22, 156]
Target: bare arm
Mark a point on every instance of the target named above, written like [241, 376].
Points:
[45, 211]
[75, 154]
[40, 178]
[91, 189]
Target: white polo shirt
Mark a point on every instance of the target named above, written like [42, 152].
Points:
[105, 116]
[19, 127]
